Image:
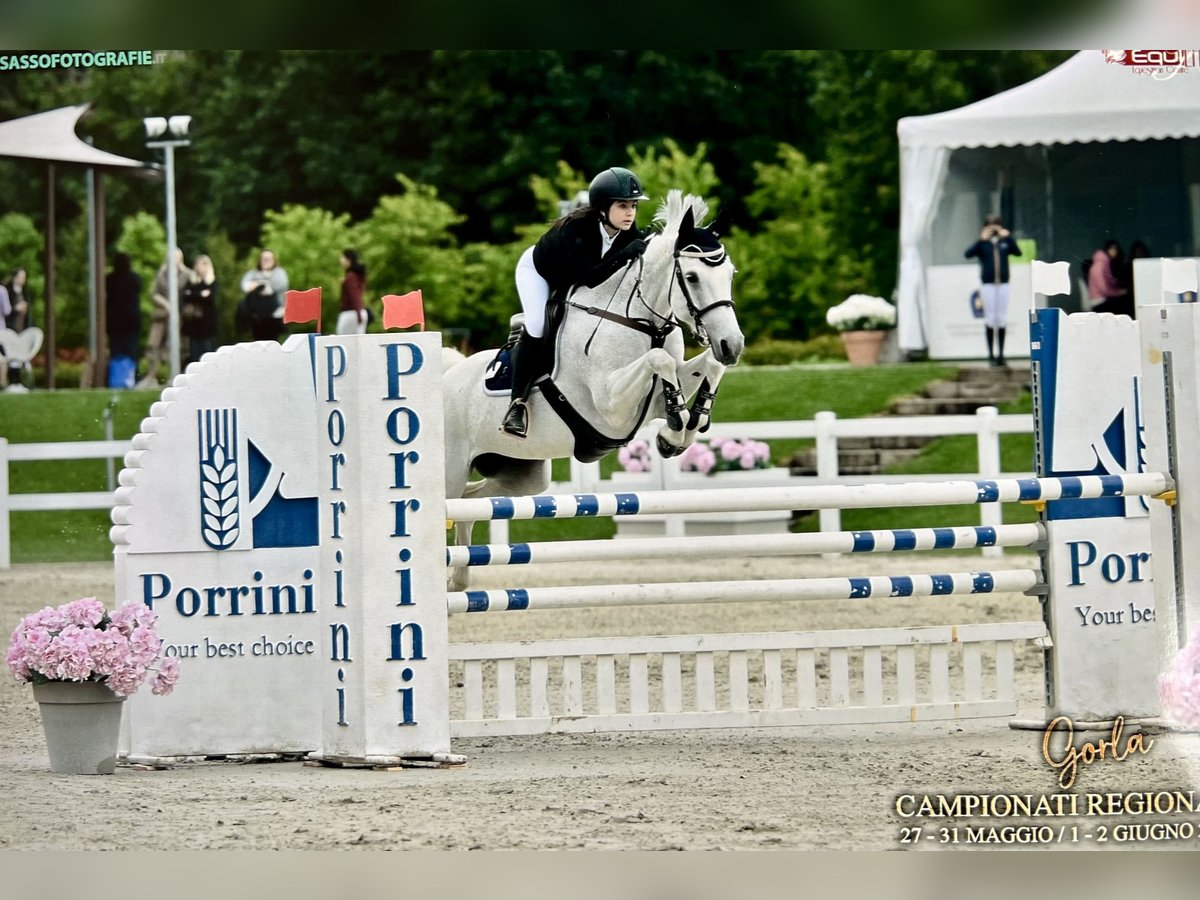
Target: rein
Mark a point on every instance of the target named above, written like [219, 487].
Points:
[658, 335]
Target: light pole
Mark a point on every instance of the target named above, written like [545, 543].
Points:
[157, 126]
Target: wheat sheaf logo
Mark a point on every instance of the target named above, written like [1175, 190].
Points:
[218, 477]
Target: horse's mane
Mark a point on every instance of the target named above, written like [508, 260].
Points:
[671, 210]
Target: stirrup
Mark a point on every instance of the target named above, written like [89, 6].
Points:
[516, 420]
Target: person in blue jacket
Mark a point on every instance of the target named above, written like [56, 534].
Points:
[994, 247]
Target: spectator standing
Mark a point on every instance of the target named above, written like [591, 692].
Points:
[198, 313]
[352, 316]
[158, 344]
[994, 247]
[1105, 290]
[123, 320]
[15, 305]
[263, 291]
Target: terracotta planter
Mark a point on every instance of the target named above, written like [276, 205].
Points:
[82, 721]
[863, 347]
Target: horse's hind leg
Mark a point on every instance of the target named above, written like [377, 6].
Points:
[459, 577]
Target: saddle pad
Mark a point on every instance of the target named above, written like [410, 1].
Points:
[497, 378]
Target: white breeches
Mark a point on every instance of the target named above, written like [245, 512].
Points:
[995, 305]
[534, 293]
[347, 322]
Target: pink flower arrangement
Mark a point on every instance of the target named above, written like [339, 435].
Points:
[81, 641]
[1179, 686]
[725, 455]
[635, 456]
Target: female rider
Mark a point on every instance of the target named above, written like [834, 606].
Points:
[583, 247]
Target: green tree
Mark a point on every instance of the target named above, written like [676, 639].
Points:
[71, 285]
[791, 268]
[407, 244]
[669, 168]
[22, 245]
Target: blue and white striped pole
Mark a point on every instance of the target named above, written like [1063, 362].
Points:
[726, 546]
[579, 596]
[853, 496]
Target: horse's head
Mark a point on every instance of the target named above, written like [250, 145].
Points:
[701, 289]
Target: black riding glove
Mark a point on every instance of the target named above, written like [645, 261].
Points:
[614, 261]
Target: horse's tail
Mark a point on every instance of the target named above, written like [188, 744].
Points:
[450, 358]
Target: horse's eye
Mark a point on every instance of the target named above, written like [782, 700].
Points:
[692, 277]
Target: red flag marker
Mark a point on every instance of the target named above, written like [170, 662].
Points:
[303, 306]
[403, 311]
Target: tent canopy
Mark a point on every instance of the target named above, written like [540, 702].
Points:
[1085, 99]
[50, 136]
[1089, 99]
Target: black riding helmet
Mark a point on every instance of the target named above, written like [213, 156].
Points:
[613, 184]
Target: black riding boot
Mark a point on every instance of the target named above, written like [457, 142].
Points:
[525, 358]
[1000, 361]
[988, 330]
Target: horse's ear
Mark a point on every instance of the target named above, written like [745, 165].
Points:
[688, 223]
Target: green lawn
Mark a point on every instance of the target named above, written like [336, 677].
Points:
[796, 392]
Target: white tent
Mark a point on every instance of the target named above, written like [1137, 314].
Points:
[1045, 154]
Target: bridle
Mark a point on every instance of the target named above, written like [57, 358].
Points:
[713, 258]
[670, 321]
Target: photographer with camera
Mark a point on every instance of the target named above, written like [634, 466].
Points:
[994, 247]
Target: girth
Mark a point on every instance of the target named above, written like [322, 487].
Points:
[590, 444]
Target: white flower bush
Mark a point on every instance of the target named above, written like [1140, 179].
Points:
[862, 312]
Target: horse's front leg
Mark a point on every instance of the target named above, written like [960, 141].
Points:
[699, 378]
[625, 389]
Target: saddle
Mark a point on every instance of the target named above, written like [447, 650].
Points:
[497, 379]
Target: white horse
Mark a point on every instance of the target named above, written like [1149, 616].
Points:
[620, 361]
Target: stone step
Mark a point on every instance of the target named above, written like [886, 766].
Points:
[851, 462]
[1012, 374]
[929, 406]
[1005, 392]
[897, 442]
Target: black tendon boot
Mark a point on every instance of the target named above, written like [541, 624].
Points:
[989, 331]
[1000, 361]
[526, 354]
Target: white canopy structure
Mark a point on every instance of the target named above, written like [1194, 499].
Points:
[1090, 150]
[49, 137]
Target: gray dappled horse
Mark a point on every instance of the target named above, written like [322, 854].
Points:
[620, 362]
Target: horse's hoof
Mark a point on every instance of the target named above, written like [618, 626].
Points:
[666, 449]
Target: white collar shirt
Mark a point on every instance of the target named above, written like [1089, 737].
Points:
[606, 241]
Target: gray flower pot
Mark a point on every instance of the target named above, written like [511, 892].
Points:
[82, 721]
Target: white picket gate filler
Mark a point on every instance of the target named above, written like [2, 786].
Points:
[283, 511]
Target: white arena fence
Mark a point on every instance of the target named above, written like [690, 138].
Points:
[826, 429]
[783, 678]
